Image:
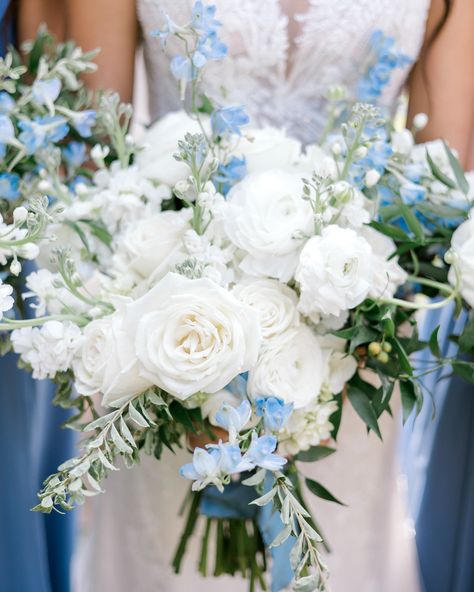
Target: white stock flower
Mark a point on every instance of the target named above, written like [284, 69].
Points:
[462, 246]
[265, 216]
[152, 246]
[275, 303]
[388, 275]
[335, 271]
[307, 427]
[47, 296]
[49, 349]
[340, 366]
[160, 142]
[268, 148]
[290, 367]
[192, 335]
[107, 363]
[352, 209]
[6, 300]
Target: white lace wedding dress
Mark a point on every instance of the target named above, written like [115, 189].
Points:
[283, 56]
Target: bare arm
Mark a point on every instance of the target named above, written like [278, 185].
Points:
[110, 25]
[442, 83]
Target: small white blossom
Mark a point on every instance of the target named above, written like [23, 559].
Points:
[6, 300]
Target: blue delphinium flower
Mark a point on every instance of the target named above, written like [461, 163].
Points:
[213, 466]
[170, 28]
[7, 133]
[234, 419]
[7, 103]
[37, 133]
[210, 47]
[227, 175]
[183, 68]
[45, 92]
[9, 186]
[261, 453]
[74, 154]
[202, 18]
[386, 59]
[78, 180]
[229, 120]
[274, 411]
[411, 193]
[83, 122]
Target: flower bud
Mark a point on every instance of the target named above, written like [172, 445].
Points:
[361, 152]
[336, 148]
[20, 215]
[15, 267]
[420, 121]
[372, 177]
[44, 186]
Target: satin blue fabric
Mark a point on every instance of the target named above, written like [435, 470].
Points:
[35, 550]
[438, 460]
[233, 503]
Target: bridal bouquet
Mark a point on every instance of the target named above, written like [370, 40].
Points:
[222, 283]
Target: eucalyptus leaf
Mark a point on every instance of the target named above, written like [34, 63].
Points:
[438, 173]
[306, 584]
[100, 422]
[119, 441]
[281, 536]
[136, 416]
[457, 170]
[265, 499]
[255, 479]
[124, 429]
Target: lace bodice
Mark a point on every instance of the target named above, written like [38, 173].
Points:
[284, 54]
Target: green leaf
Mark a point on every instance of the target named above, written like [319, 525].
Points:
[126, 433]
[363, 407]
[320, 491]
[315, 453]
[412, 222]
[181, 415]
[402, 356]
[306, 584]
[98, 423]
[438, 173]
[357, 335]
[99, 231]
[466, 339]
[457, 170]
[464, 369]
[255, 479]
[434, 344]
[409, 399]
[391, 231]
[336, 417]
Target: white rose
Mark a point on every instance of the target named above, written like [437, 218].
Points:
[388, 275]
[290, 367]
[335, 271]
[462, 245]
[268, 148]
[192, 335]
[107, 363]
[275, 303]
[156, 161]
[263, 215]
[152, 246]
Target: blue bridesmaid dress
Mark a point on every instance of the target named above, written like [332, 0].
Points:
[35, 549]
[438, 460]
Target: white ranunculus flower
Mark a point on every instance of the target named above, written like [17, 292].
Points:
[192, 335]
[268, 148]
[275, 303]
[152, 246]
[49, 349]
[388, 275]
[290, 367]
[106, 363]
[265, 216]
[340, 366]
[156, 160]
[462, 246]
[335, 271]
